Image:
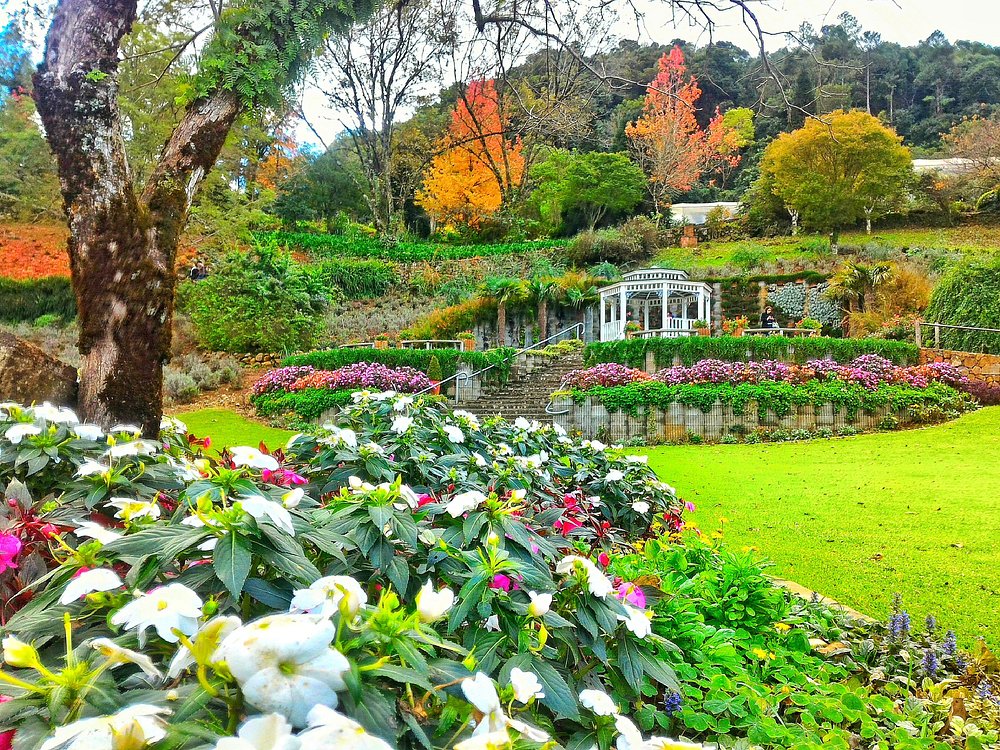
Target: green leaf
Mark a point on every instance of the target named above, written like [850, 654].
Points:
[232, 562]
[162, 541]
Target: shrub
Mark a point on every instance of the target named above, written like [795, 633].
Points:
[179, 387]
[353, 246]
[434, 370]
[356, 279]
[260, 302]
[691, 349]
[30, 299]
[621, 247]
[968, 295]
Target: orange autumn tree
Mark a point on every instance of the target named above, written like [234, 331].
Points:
[667, 141]
[477, 166]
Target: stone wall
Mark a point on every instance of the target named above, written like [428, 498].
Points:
[593, 420]
[984, 368]
[259, 360]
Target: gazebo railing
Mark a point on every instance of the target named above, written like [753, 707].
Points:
[664, 333]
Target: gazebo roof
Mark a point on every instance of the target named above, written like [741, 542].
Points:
[655, 274]
[650, 283]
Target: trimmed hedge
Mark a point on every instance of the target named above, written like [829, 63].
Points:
[942, 400]
[691, 349]
[307, 404]
[334, 359]
[30, 299]
[337, 246]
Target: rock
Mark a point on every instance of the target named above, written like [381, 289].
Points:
[29, 374]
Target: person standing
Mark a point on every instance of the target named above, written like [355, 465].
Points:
[767, 319]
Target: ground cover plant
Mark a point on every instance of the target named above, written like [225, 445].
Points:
[863, 517]
[691, 349]
[408, 576]
[419, 359]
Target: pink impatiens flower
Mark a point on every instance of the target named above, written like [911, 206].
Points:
[500, 581]
[6, 738]
[10, 548]
[631, 594]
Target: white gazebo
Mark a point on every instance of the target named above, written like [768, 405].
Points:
[662, 301]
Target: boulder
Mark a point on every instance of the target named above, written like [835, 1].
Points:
[28, 374]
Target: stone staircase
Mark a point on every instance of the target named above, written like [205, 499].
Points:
[526, 393]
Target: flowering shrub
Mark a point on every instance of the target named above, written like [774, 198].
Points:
[603, 375]
[280, 379]
[365, 376]
[403, 575]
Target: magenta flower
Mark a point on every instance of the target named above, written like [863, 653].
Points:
[10, 548]
[689, 506]
[500, 581]
[631, 594]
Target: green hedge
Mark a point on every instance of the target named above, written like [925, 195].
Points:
[810, 277]
[337, 246]
[308, 403]
[333, 359]
[779, 397]
[357, 279]
[691, 349]
[30, 299]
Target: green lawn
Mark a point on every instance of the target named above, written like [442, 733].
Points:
[227, 428]
[719, 253]
[860, 518]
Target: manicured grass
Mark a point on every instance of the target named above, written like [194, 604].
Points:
[227, 428]
[915, 512]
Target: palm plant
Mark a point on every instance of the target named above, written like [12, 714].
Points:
[579, 289]
[505, 291]
[543, 290]
[855, 284]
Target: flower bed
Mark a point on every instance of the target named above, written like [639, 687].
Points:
[692, 349]
[419, 359]
[309, 392]
[869, 371]
[407, 577]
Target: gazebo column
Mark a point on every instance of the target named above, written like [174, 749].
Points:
[684, 312]
[600, 321]
[622, 312]
[663, 307]
[645, 315]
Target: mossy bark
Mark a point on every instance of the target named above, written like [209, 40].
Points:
[122, 245]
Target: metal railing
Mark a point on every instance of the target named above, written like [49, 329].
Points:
[577, 328]
[918, 324]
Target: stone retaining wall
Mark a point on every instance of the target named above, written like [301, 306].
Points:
[259, 360]
[593, 420]
[984, 368]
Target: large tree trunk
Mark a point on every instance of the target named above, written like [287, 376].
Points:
[122, 247]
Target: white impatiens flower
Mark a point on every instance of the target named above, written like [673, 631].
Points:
[401, 424]
[629, 736]
[172, 424]
[597, 583]
[372, 448]
[633, 459]
[88, 431]
[357, 485]
[526, 685]
[246, 456]
[482, 693]
[89, 468]
[599, 702]
[132, 727]
[518, 495]
[285, 664]
[327, 595]
[210, 635]
[640, 506]
[16, 433]
[595, 445]
[615, 475]
[99, 579]
[464, 503]
[293, 497]
[540, 604]
[167, 608]
[487, 741]
[339, 436]
[454, 433]
[431, 604]
[331, 730]
[59, 414]
[133, 448]
[118, 655]
[262, 509]
[402, 402]
[411, 498]
[128, 428]
[637, 621]
[129, 509]
[492, 623]
[92, 530]
[268, 732]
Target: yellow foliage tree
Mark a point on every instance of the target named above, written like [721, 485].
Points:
[477, 166]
